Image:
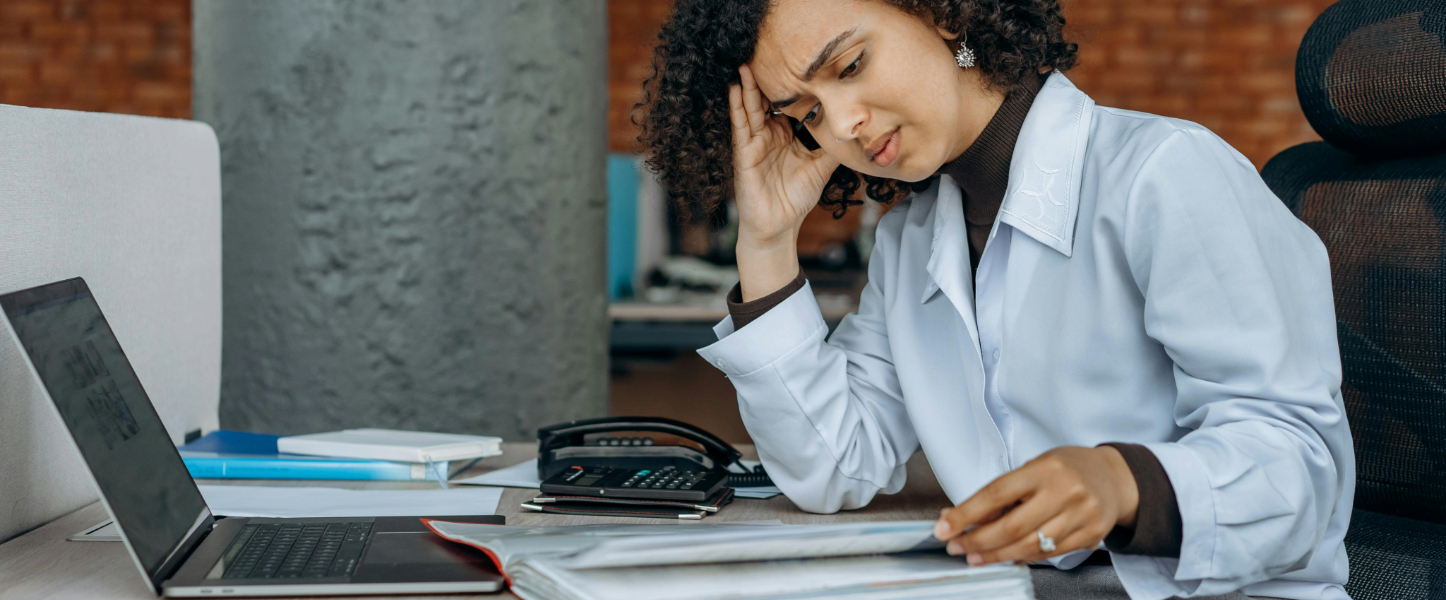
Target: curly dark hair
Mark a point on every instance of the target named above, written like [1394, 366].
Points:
[684, 112]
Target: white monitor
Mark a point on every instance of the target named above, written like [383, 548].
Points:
[133, 205]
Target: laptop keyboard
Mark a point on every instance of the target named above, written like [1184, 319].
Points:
[266, 551]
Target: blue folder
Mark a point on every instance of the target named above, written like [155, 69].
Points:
[240, 455]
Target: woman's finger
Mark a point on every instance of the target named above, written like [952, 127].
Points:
[1008, 529]
[752, 98]
[1060, 529]
[1001, 493]
[737, 115]
[1082, 538]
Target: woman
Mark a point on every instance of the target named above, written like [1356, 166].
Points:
[1099, 325]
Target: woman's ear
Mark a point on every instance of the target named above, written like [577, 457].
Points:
[948, 36]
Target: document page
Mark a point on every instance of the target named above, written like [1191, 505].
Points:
[262, 501]
[887, 576]
[771, 543]
[510, 544]
[604, 546]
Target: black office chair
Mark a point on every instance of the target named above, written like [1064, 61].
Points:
[1371, 75]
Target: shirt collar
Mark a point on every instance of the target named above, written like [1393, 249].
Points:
[1044, 175]
[1043, 197]
[982, 171]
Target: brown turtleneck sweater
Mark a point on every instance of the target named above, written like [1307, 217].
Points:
[982, 173]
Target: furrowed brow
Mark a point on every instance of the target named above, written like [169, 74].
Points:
[827, 53]
[818, 62]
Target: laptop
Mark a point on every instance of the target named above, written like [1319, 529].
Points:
[183, 550]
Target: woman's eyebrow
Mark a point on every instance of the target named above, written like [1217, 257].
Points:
[827, 53]
[819, 61]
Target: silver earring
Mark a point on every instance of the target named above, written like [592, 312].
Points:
[965, 57]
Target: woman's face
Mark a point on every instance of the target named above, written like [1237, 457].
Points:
[877, 87]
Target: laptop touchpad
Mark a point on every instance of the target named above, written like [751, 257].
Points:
[420, 556]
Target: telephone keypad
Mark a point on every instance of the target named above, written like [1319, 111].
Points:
[668, 482]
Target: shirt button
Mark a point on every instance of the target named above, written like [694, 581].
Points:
[996, 355]
[722, 364]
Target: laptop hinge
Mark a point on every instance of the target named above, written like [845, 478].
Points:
[182, 551]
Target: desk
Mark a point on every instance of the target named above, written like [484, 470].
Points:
[686, 322]
[42, 564]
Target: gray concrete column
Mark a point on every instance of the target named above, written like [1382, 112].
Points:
[414, 211]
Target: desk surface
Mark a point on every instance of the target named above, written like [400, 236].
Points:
[42, 564]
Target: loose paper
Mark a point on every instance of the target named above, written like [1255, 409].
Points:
[261, 501]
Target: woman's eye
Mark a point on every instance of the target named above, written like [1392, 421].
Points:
[812, 115]
[853, 66]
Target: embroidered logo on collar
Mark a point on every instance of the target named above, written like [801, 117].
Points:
[1039, 187]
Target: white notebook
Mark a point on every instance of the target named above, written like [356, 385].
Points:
[392, 444]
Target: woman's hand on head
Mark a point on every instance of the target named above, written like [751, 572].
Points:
[776, 181]
[1074, 495]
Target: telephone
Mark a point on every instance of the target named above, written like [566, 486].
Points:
[801, 133]
[580, 458]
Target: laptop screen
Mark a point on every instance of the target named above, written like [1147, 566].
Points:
[121, 438]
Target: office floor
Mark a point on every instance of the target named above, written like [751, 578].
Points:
[679, 386]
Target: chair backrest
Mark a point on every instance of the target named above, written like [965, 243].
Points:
[1371, 76]
[133, 205]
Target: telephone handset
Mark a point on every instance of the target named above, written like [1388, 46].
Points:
[578, 458]
[804, 136]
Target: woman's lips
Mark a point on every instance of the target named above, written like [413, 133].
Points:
[889, 152]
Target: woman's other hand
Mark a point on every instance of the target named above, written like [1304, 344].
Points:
[1074, 495]
[776, 182]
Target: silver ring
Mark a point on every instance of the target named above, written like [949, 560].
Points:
[1046, 544]
[838, 140]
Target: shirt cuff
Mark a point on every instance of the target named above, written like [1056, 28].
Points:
[792, 323]
[1158, 529]
[744, 313]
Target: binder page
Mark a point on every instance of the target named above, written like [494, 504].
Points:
[889, 576]
[692, 546]
[508, 544]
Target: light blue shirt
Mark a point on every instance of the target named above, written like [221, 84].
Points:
[1141, 284]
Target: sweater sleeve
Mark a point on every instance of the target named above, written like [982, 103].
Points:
[1158, 530]
[744, 313]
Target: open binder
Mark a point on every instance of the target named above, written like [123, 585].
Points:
[863, 561]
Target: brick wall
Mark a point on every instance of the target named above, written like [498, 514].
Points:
[126, 56]
[1226, 64]
[632, 28]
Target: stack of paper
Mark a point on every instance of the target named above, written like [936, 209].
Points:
[862, 561]
[261, 501]
[240, 455]
[392, 444]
